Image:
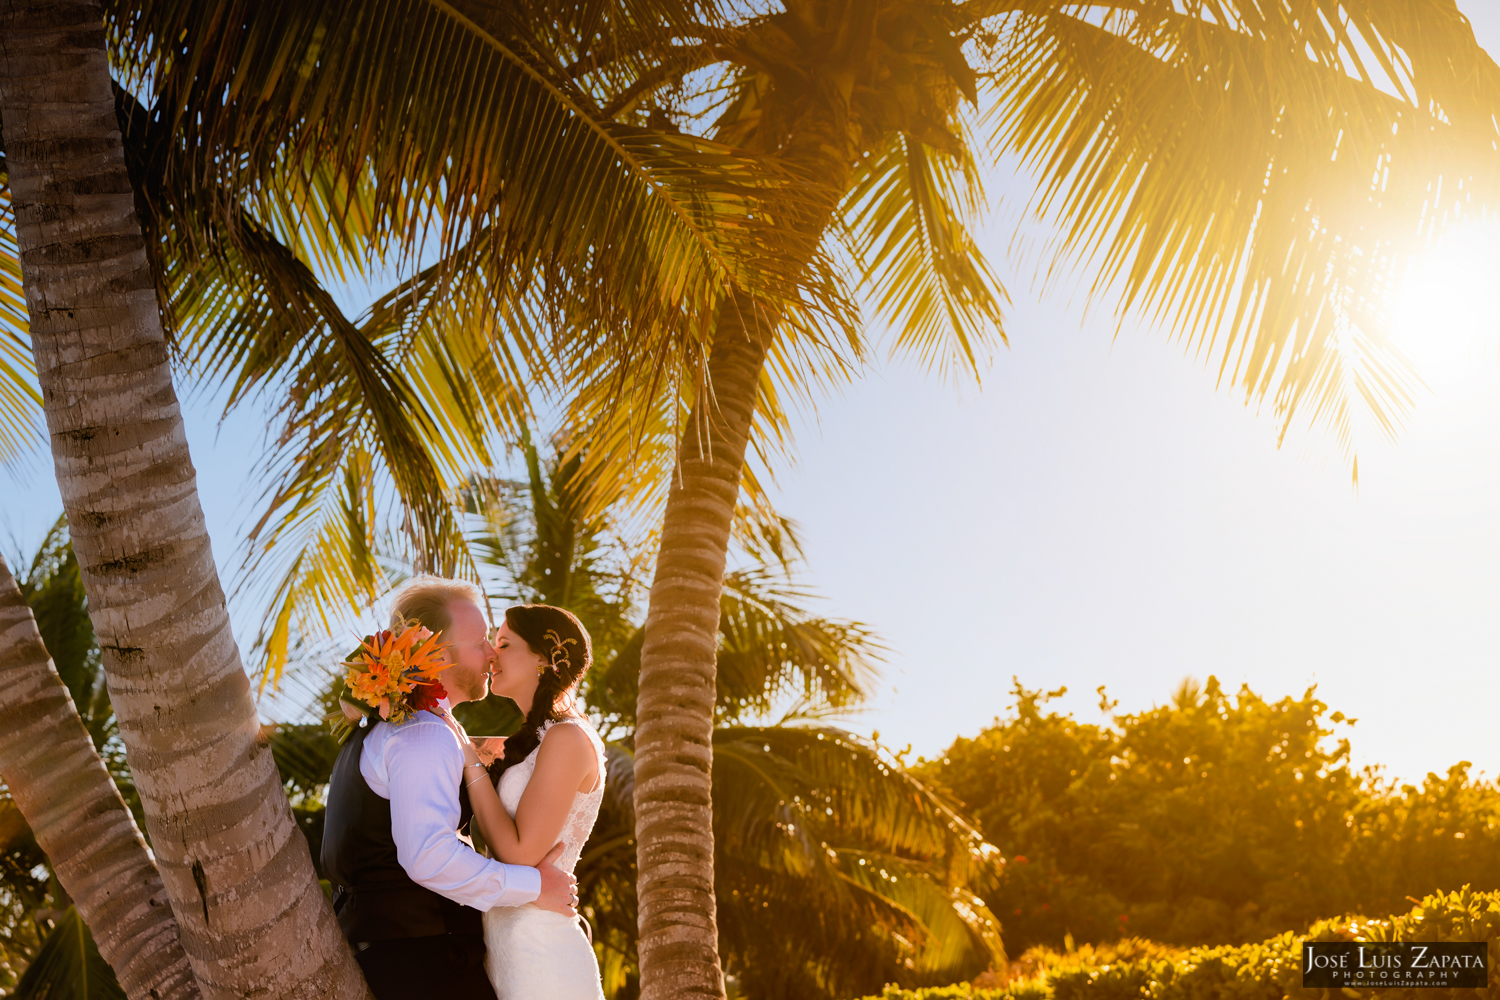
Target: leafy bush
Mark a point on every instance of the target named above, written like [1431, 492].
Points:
[1134, 969]
[1216, 818]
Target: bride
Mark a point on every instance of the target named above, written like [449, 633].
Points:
[550, 786]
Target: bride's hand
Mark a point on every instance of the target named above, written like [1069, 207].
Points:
[471, 753]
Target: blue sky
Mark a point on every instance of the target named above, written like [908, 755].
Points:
[1098, 513]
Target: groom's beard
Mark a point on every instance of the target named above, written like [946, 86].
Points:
[468, 688]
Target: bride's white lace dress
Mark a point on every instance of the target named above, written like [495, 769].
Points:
[535, 954]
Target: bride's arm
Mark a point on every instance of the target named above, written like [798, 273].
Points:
[566, 758]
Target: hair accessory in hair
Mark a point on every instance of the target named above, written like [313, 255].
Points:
[558, 659]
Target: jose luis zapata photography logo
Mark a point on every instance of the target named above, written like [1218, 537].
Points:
[1405, 964]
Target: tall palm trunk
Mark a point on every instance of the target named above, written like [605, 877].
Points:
[66, 794]
[679, 945]
[253, 920]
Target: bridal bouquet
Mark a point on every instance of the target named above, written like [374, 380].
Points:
[396, 673]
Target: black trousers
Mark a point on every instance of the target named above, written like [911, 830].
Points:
[446, 967]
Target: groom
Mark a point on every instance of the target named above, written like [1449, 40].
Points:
[409, 891]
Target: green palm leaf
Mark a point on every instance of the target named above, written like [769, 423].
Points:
[796, 811]
[771, 649]
[448, 126]
[68, 966]
[909, 226]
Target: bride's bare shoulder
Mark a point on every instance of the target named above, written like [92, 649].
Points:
[567, 733]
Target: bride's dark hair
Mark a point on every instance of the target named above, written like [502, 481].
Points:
[558, 636]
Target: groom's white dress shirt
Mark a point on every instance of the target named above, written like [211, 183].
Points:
[418, 766]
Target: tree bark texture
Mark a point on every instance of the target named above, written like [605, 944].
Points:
[679, 946]
[66, 794]
[253, 920]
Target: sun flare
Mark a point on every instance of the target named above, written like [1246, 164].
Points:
[1447, 314]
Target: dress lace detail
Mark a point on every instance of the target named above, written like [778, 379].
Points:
[531, 953]
[585, 810]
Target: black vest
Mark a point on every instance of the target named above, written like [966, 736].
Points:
[375, 899]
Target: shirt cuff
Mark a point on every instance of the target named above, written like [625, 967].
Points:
[522, 885]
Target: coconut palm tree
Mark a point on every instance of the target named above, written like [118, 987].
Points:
[1254, 174]
[126, 479]
[238, 147]
[49, 757]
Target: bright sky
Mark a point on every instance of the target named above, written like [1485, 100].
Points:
[1099, 514]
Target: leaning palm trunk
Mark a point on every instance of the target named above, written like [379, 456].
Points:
[253, 921]
[679, 947]
[76, 812]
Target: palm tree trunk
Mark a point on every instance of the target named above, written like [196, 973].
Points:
[74, 809]
[253, 920]
[679, 946]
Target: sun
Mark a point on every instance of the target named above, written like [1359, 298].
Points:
[1447, 314]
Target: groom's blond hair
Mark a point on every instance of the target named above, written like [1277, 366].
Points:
[428, 601]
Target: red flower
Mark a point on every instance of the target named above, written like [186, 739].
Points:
[425, 697]
[1123, 918]
[1020, 859]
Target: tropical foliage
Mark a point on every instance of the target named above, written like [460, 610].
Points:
[269, 154]
[319, 182]
[1250, 246]
[1273, 212]
[1263, 970]
[1213, 818]
[68, 966]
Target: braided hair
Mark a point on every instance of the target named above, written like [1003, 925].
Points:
[557, 636]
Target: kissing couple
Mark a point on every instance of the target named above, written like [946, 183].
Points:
[427, 915]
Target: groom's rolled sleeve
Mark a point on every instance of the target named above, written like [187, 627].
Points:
[424, 766]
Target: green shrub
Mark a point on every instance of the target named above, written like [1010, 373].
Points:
[1134, 969]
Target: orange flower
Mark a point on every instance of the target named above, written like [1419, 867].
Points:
[390, 666]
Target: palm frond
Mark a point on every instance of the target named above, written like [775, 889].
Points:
[449, 127]
[1239, 174]
[908, 218]
[68, 966]
[770, 648]
[631, 414]
[410, 397]
[357, 422]
[796, 811]
[818, 808]
[20, 402]
[766, 536]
